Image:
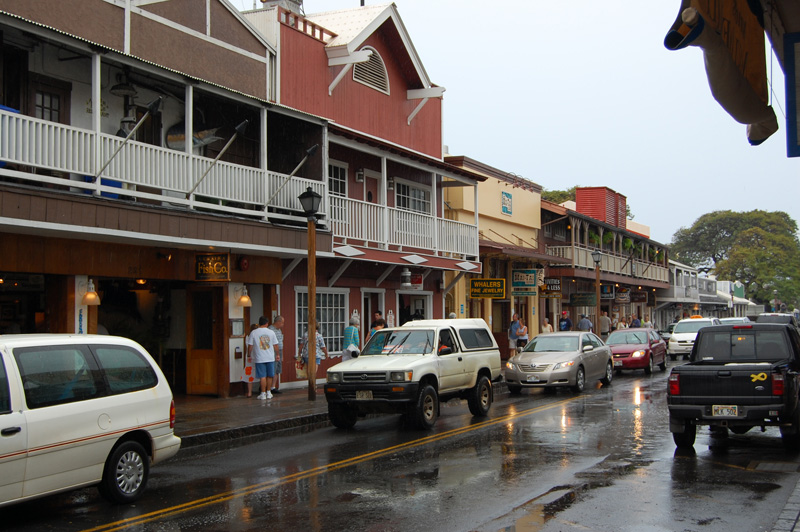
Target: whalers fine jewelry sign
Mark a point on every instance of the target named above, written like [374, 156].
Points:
[487, 288]
[212, 267]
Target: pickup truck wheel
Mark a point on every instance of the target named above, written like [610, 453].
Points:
[426, 410]
[649, 369]
[514, 390]
[609, 374]
[685, 439]
[791, 435]
[580, 380]
[125, 473]
[480, 397]
[342, 416]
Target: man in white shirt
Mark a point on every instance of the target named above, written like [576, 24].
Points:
[261, 346]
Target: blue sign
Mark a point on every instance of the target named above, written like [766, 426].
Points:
[506, 200]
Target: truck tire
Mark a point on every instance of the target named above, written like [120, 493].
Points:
[342, 416]
[791, 435]
[426, 409]
[480, 397]
[580, 380]
[685, 439]
[125, 474]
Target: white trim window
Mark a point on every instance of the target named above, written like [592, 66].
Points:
[332, 314]
[372, 73]
[337, 178]
[411, 198]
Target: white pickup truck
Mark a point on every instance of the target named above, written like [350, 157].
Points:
[410, 369]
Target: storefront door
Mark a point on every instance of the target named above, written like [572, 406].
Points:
[204, 334]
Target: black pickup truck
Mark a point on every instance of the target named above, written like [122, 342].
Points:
[738, 377]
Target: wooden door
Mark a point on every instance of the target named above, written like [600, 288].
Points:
[203, 339]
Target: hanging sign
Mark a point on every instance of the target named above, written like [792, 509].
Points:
[212, 267]
[523, 282]
[551, 288]
[487, 288]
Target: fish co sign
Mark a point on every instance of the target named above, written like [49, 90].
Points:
[212, 267]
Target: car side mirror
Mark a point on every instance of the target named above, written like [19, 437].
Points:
[445, 350]
[587, 348]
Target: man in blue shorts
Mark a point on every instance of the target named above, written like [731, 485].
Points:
[261, 346]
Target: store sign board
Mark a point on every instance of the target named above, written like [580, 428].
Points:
[583, 299]
[212, 267]
[639, 297]
[487, 288]
[551, 288]
[523, 282]
[607, 292]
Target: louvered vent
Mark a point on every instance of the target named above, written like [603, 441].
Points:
[373, 72]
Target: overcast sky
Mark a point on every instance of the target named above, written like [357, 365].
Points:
[582, 92]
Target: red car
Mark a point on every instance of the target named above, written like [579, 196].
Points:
[637, 349]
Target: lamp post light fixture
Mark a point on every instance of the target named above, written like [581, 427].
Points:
[310, 201]
[597, 257]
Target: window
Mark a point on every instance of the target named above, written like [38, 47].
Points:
[411, 198]
[372, 73]
[57, 375]
[49, 98]
[125, 369]
[5, 394]
[332, 316]
[337, 179]
[476, 338]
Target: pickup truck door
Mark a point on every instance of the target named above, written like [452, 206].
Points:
[13, 434]
[452, 368]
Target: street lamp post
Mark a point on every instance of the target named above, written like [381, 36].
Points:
[310, 201]
[597, 256]
[775, 297]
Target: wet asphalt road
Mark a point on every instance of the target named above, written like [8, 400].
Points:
[601, 461]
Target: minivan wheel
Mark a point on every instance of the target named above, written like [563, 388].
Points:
[426, 409]
[480, 397]
[125, 473]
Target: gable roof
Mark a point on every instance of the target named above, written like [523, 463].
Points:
[354, 26]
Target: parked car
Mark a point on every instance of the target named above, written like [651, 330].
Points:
[667, 333]
[570, 358]
[734, 320]
[81, 410]
[409, 369]
[637, 349]
[684, 333]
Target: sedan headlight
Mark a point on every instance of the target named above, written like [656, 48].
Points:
[561, 365]
[510, 365]
[401, 376]
[637, 354]
[334, 377]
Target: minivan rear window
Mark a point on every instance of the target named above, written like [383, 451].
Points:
[56, 375]
[125, 369]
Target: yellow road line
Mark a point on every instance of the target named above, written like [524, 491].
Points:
[294, 477]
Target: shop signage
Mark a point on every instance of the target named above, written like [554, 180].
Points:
[623, 295]
[552, 288]
[523, 282]
[582, 299]
[487, 288]
[416, 281]
[638, 297]
[212, 267]
[607, 292]
[505, 200]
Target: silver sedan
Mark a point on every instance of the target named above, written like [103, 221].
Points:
[560, 359]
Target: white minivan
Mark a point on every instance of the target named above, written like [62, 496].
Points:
[81, 410]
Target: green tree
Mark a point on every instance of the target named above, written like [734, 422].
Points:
[758, 248]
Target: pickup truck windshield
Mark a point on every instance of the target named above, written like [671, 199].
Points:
[736, 346]
[399, 342]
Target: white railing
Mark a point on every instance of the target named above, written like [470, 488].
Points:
[363, 221]
[581, 257]
[143, 171]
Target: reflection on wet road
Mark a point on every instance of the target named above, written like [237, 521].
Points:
[603, 460]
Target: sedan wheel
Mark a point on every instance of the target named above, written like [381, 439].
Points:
[649, 369]
[609, 374]
[580, 380]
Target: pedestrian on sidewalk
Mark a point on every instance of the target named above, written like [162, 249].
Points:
[262, 349]
[605, 325]
[522, 334]
[546, 327]
[321, 348]
[277, 325]
[248, 375]
[351, 340]
[585, 324]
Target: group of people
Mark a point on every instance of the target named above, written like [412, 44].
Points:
[585, 324]
[517, 333]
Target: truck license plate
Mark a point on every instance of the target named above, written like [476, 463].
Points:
[725, 410]
[364, 395]
[533, 378]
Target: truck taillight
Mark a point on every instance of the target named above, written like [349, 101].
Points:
[172, 415]
[777, 384]
[674, 384]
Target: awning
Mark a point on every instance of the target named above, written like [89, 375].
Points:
[489, 246]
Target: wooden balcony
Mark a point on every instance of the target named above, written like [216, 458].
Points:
[46, 153]
[581, 257]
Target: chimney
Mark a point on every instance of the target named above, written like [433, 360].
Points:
[295, 6]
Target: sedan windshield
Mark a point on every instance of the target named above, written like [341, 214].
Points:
[623, 337]
[546, 343]
[399, 342]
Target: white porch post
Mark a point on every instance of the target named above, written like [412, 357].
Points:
[96, 116]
